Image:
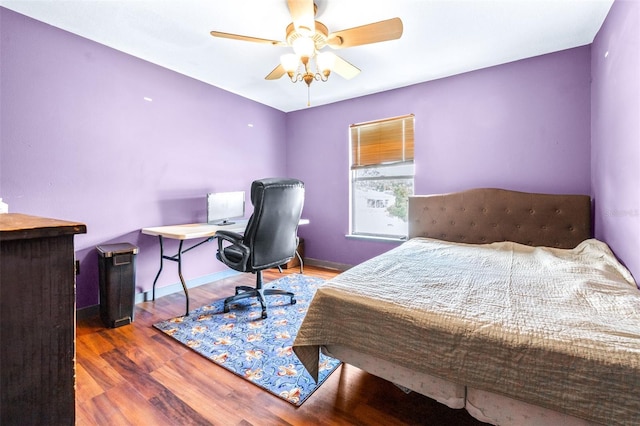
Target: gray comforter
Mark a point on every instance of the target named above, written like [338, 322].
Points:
[556, 328]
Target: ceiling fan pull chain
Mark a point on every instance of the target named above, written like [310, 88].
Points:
[308, 96]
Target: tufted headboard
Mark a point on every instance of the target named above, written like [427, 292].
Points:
[488, 215]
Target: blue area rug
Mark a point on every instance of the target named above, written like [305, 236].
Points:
[255, 349]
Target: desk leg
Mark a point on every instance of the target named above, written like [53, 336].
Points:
[176, 258]
[184, 285]
[153, 294]
[301, 263]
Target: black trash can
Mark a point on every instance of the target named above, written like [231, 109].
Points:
[117, 269]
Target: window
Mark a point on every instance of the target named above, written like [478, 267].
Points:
[382, 174]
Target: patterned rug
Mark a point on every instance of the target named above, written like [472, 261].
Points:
[255, 349]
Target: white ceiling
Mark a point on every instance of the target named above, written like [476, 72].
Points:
[441, 38]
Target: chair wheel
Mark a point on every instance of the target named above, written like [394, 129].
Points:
[264, 314]
[293, 301]
[226, 309]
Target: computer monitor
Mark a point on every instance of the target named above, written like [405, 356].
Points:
[223, 206]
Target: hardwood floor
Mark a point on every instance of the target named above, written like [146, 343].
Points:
[135, 375]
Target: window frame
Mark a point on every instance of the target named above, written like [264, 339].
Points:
[356, 165]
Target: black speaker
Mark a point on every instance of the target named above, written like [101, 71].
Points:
[117, 269]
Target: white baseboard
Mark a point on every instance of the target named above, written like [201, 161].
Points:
[94, 310]
[326, 264]
[177, 287]
[145, 296]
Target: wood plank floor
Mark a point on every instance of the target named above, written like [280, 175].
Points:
[135, 375]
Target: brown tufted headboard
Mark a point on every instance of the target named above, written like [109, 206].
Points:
[488, 215]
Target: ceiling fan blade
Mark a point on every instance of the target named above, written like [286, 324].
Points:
[344, 68]
[247, 38]
[277, 72]
[389, 29]
[302, 14]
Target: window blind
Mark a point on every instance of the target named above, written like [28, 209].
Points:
[382, 142]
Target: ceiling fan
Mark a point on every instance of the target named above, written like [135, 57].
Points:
[308, 37]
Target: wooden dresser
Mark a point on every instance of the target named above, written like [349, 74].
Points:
[37, 320]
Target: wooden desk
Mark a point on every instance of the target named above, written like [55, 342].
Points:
[193, 231]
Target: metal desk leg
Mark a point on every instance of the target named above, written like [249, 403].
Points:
[153, 297]
[176, 258]
[184, 285]
[301, 263]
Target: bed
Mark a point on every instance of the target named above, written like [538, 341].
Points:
[500, 302]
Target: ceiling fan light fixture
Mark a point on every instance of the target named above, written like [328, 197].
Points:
[326, 62]
[304, 47]
[308, 37]
[290, 63]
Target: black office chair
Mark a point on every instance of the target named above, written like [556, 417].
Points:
[270, 239]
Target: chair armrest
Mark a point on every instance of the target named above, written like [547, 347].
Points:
[236, 241]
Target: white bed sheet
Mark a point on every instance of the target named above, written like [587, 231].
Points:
[448, 393]
[485, 406]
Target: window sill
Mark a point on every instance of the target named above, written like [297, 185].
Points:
[377, 239]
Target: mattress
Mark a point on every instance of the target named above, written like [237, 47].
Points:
[558, 328]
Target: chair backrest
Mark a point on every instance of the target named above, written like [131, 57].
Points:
[272, 231]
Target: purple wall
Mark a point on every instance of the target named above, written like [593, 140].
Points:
[521, 126]
[615, 132]
[79, 142]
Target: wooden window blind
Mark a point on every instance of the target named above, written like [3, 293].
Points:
[382, 142]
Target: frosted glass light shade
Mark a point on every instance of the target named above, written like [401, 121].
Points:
[289, 62]
[304, 47]
[326, 61]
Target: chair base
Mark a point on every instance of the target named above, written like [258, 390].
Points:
[243, 292]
